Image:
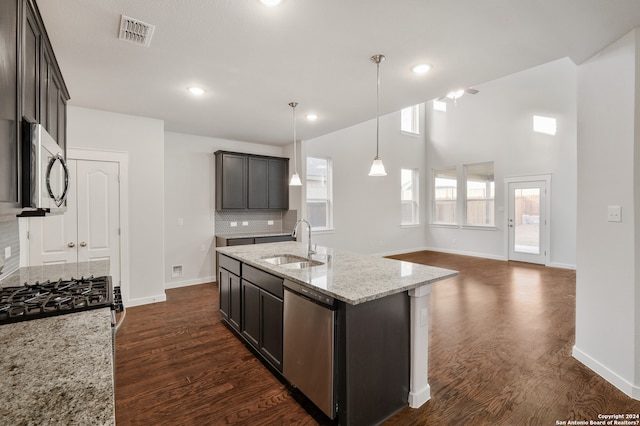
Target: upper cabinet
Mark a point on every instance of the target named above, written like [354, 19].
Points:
[246, 181]
[31, 86]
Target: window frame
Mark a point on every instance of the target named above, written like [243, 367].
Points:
[415, 201]
[414, 119]
[466, 199]
[454, 201]
[327, 201]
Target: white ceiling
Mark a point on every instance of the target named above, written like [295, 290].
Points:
[253, 60]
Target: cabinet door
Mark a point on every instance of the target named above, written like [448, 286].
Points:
[234, 301]
[258, 183]
[223, 288]
[278, 187]
[31, 46]
[231, 183]
[251, 313]
[271, 330]
[8, 106]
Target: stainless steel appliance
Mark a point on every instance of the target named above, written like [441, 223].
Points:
[309, 345]
[45, 176]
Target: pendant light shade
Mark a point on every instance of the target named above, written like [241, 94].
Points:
[377, 168]
[295, 178]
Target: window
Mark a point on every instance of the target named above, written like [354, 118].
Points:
[319, 206]
[445, 195]
[410, 120]
[409, 196]
[480, 189]
[546, 125]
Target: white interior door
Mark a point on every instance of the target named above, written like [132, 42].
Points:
[90, 228]
[527, 221]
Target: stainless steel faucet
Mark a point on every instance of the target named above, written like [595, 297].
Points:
[294, 234]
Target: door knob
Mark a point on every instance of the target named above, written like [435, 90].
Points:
[71, 245]
[83, 244]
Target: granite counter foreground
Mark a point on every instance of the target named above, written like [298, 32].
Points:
[65, 271]
[58, 370]
[351, 277]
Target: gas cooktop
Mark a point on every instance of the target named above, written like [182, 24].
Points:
[40, 300]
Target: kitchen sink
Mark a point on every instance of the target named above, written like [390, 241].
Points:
[301, 265]
[292, 261]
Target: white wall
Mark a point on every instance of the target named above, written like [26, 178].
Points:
[190, 195]
[607, 296]
[496, 125]
[143, 139]
[367, 209]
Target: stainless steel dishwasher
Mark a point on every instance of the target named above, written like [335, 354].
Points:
[309, 340]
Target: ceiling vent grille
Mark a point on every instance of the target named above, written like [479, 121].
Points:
[135, 31]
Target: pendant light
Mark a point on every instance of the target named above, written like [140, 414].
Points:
[377, 168]
[295, 178]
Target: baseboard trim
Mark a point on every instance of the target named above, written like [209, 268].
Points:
[146, 300]
[467, 253]
[600, 369]
[186, 283]
[562, 266]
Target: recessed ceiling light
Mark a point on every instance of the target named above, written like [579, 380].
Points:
[312, 117]
[271, 3]
[196, 91]
[421, 68]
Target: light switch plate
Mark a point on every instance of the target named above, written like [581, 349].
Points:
[234, 224]
[245, 223]
[7, 252]
[614, 214]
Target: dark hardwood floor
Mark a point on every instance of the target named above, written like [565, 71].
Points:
[501, 335]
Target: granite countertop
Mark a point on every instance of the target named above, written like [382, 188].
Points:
[350, 277]
[58, 370]
[253, 234]
[65, 271]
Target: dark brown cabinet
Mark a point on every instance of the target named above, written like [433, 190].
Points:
[230, 291]
[31, 86]
[9, 104]
[245, 181]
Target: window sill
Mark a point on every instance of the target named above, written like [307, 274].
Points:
[410, 225]
[479, 227]
[444, 225]
[323, 231]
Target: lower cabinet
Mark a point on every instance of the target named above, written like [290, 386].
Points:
[251, 302]
[262, 322]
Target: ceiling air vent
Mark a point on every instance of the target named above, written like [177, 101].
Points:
[135, 31]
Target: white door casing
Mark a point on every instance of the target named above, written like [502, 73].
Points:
[527, 219]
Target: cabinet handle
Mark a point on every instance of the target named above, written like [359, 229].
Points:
[71, 245]
[83, 244]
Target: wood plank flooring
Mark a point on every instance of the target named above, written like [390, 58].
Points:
[501, 335]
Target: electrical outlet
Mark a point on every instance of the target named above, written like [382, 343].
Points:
[245, 223]
[270, 222]
[614, 214]
[234, 224]
[7, 252]
[180, 221]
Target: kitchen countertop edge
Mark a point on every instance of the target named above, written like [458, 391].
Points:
[417, 275]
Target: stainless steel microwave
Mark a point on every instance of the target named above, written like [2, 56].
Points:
[45, 183]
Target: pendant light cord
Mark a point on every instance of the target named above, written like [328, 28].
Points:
[378, 109]
[295, 154]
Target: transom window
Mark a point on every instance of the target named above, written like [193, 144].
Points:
[445, 182]
[409, 196]
[480, 194]
[410, 120]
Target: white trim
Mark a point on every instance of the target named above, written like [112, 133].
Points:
[530, 178]
[616, 380]
[403, 251]
[147, 300]
[468, 253]
[561, 265]
[186, 283]
[122, 158]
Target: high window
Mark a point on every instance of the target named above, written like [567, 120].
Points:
[319, 193]
[409, 196]
[480, 194]
[445, 196]
[410, 120]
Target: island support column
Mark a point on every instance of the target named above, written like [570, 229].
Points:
[419, 390]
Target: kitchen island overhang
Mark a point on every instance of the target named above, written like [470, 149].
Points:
[362, 283]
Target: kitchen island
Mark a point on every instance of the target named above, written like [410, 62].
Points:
[382, 313]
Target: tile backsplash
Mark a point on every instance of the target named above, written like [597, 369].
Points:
[10, 237]
[256, 221]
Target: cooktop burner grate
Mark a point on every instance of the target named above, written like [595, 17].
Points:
[39, 300]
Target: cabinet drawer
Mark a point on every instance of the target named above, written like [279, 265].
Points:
[265, 281]
[229, 264]
[274, 239]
